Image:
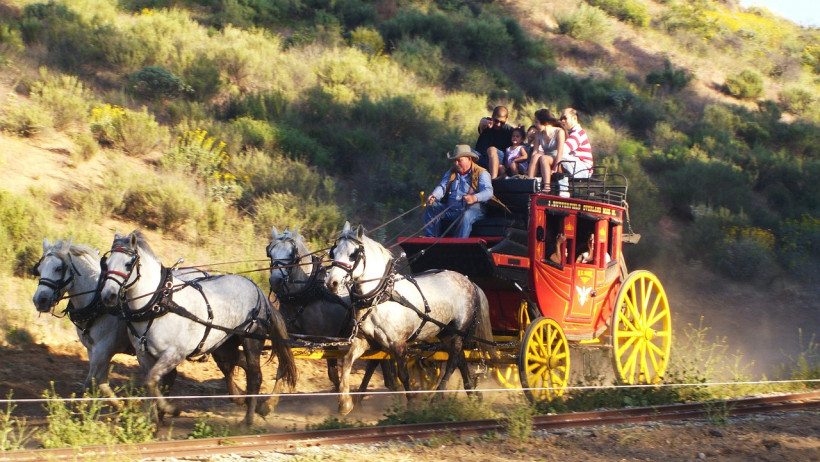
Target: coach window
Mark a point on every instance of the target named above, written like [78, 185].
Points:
[585, 236]
[613, 235]
[555, 226]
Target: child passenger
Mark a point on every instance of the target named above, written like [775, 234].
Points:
[517, 154]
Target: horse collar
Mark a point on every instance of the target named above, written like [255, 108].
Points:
[381, 293]
[308, 293]
[158, 304]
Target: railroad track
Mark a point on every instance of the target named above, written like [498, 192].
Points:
[296, 440]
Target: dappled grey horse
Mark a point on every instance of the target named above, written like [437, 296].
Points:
[392, 311]
[297, 277]
[75, 269]
[171, 319]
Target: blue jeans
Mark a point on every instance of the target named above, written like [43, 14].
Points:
[465, 216]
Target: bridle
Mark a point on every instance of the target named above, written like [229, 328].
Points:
[358, 256]
[284, 267]
[134, 263]
[57, 286]
[383, 290]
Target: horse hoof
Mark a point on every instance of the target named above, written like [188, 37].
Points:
[346, 407]
[264, 408]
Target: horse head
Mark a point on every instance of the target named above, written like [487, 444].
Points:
[348, 255]
[126, 263]
[285, 251]
[55, 273]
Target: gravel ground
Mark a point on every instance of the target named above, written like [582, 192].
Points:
[777, 437]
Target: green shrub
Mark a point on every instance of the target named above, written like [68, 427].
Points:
[71, 41]
[444, 410]
[746, 253]
[136, 133]
[197, 153]
[799, 245]
[584, 23]
[517, 421]
[706, 234]
[259, 134]
[672, 80]
[27, 120]
[11, 40]
[484, 38]
[261, 175]
[746, 85]
[65, 97]
[811, 58]
[86, 146]
[203, 78]
[367, 40]
[317, 219]
[165, 202]
[156, 82]
[630, 11]
[258, 106]
[23, 223]
[87, 422]
[14, 431]
[423, 59]
[797, 100]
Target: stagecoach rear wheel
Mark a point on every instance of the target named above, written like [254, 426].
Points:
[641, 330]
[543, 362]
[424, 373]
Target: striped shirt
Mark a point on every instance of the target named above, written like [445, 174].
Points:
[577, 144]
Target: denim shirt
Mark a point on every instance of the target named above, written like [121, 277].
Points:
[461, 187]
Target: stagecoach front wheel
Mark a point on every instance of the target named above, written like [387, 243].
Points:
[507, 375]
[424, 373]
[543, 363]
[641, 330]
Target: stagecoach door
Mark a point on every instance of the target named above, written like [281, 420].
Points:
[587, 234]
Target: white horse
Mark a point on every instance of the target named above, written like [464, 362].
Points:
[392, 311]
[298, 280]
[75, 269]
[172, 319]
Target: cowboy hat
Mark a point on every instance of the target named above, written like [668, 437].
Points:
[461, 150]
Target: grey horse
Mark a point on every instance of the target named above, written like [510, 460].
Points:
[393, 310]
[173, 319]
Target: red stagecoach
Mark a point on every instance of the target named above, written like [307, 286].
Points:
[541, 306]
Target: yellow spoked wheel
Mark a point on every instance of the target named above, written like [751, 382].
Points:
[641, 330]
[543, 363]
[507, 376]
[424, 373]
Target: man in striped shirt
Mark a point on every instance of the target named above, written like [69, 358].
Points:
[577, 158]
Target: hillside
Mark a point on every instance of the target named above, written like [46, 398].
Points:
[206, 123]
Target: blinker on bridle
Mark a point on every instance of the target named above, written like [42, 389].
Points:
[125, 276]
[357, 256]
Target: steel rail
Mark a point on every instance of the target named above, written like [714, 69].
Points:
[290, 441]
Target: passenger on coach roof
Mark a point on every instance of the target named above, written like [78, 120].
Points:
[494, 137]
[548, 147]
[517, 154]
[459, 196]
[577, 155]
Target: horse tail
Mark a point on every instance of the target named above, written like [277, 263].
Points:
[483, 330]
[278, 334]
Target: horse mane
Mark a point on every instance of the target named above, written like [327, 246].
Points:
[85, 252]
[298, 240]
[125, 241]
[365, 238]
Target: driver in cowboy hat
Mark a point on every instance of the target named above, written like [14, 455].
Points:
[459, 195]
